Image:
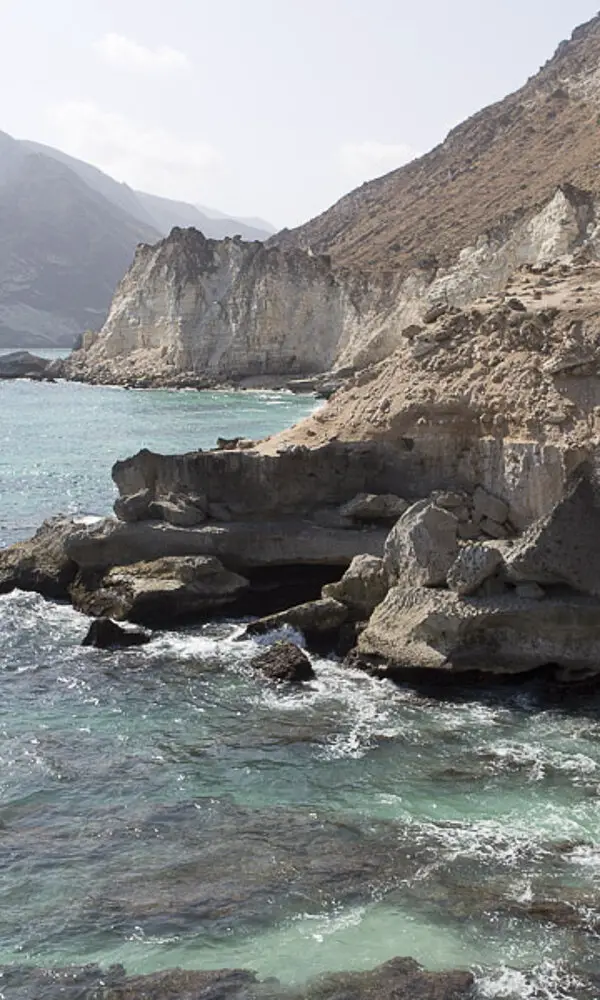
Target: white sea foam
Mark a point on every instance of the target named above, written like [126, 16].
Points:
[547, 981]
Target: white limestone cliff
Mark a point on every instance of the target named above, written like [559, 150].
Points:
[222, 310]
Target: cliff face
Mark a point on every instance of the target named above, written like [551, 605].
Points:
[219, 308]
[216, 310]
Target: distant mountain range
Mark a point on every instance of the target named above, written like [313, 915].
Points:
[68, 232]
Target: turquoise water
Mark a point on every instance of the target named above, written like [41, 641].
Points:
[58, 441]
[163, 807]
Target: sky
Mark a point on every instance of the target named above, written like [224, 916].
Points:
[264, 108]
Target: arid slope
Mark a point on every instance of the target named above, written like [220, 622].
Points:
[504, 162]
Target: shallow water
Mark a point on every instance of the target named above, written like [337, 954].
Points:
[165, 807]
[58, 441]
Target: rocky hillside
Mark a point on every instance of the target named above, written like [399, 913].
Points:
[516, 185]
[502, 164]
[197, 312]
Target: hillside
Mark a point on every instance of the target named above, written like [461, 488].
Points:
[166, 214]
[63, 249]
[504, 162]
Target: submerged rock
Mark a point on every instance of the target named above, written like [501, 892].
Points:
[284, 662]
[90, 982]
[398, 979]
[104, 633]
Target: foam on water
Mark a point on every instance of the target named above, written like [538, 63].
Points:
[471, 808]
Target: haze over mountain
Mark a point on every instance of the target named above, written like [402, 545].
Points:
[68, 232]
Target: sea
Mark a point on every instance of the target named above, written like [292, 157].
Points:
[165, 807]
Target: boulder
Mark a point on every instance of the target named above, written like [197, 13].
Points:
[564, 546]
[422, 546]
[398, 979]
[486, 505]
[362, 587]
[493, 529]
[22, 364]
[284, 662]
[104, 633]
[160, 591]
[315, 619]
[41, 563]
[435, 630]
[375, 507]
[183, 512]
[474, 563]
[450, 500]
[133, 508]
[468, 530]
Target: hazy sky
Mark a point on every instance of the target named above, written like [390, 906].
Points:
[272, 108]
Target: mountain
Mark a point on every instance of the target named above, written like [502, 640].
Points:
[166, 213]
[503, 163]
[161, 213]
[63, 248]
[68, 233]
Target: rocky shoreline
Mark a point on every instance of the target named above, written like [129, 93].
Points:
[450, 584]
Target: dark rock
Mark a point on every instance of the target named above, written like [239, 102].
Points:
[93, 983]
[22, 364]
[398, 979]
[315, 619]
[41, 563]
[284, 662]
[104, 633]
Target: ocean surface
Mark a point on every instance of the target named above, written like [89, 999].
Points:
[164, 807]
